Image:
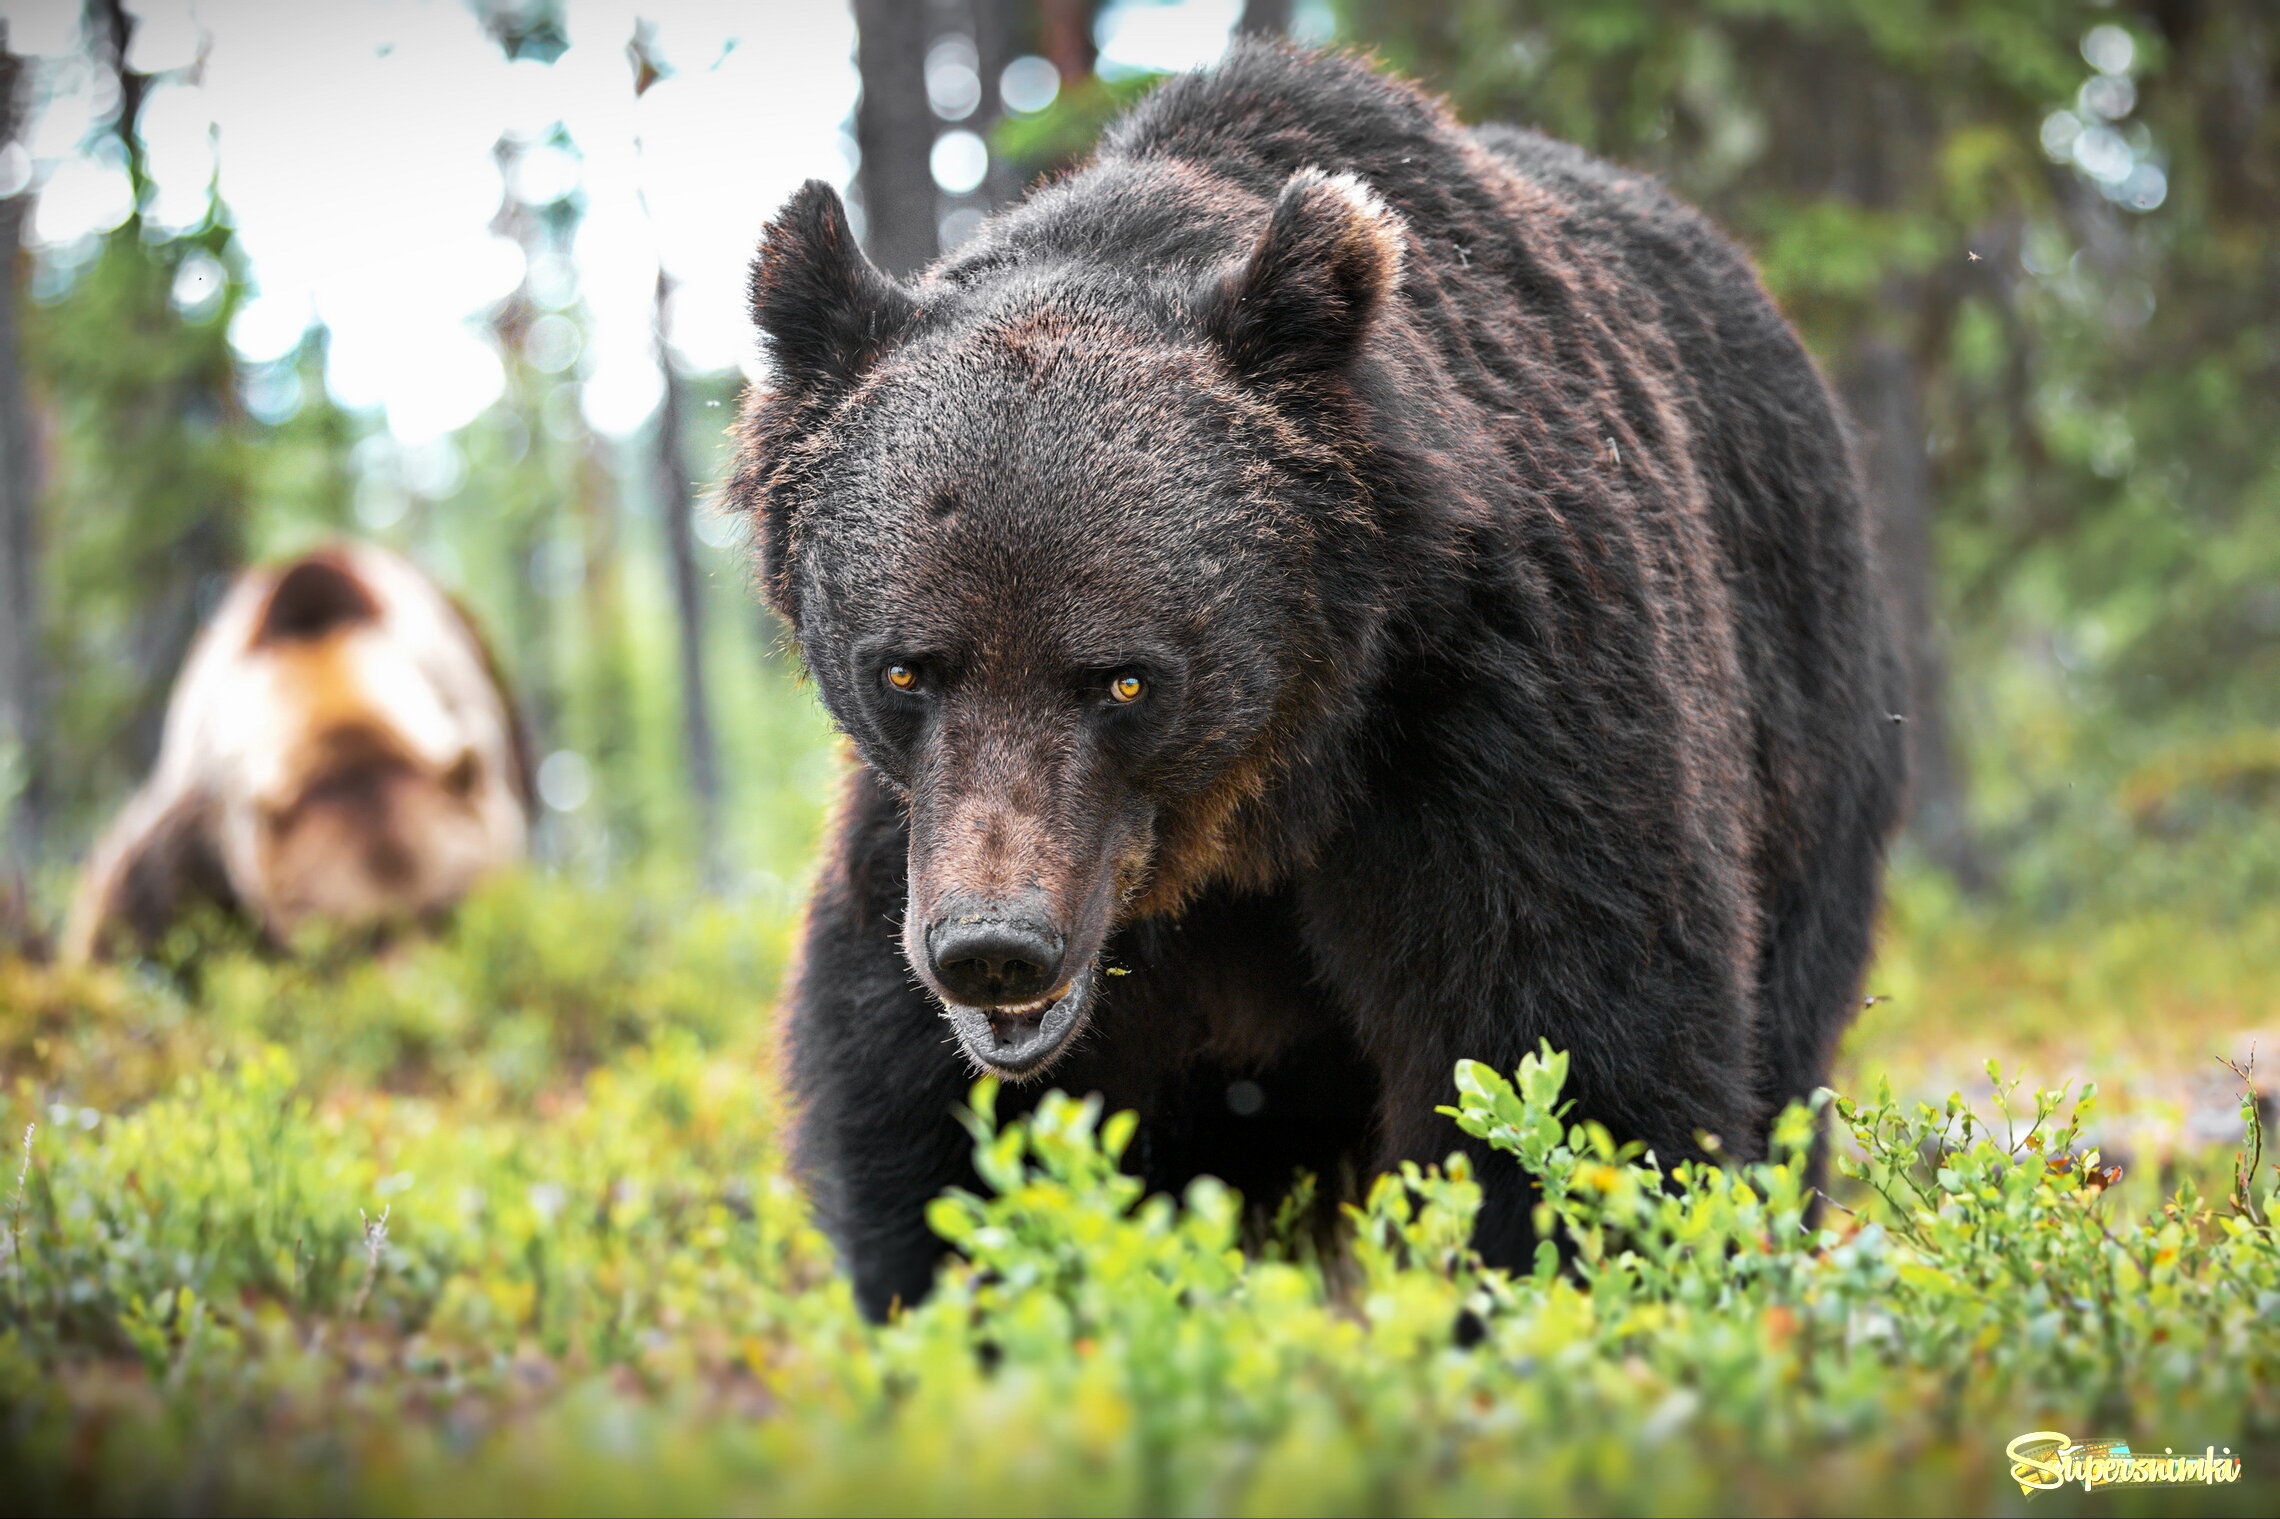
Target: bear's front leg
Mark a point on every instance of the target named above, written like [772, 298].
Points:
[1681, 1088]
[876, 1071]
[1447, 930]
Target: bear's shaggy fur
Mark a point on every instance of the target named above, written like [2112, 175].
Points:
[1317, 593]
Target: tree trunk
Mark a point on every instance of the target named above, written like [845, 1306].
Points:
[996, 40]
[1264, 18]
[617, 826]
[1848, 131]
[894, 131]
[1065, 33]
[531, 510]
[19, 586]
[1886, 396]
[115, 31]
[191, 570]
[676, 506]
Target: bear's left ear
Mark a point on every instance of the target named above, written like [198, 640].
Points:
[1302, 299]
[826, 311]
[315, 596]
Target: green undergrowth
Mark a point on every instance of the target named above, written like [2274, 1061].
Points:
[504, 1223]
[539, 980]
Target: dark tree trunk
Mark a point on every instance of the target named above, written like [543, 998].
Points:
[676, 507]
[1849, 132]
[1885, 392]
[193, 567]
[676, 504]
[894, 131]
[20, 674]
[531, 513]
[997, 41]
[618, 826]
[115, 33]
[1264, 18]
[198, 561]
[1065, 36]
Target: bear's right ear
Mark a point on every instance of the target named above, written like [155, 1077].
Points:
[826, 310]
[1302, 300]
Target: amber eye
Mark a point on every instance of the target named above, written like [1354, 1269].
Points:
[1126, 688]
[902, 677]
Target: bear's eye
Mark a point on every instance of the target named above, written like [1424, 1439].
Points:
[1126, 688]
[902, 677]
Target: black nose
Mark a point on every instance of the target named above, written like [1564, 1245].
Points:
[994, 962]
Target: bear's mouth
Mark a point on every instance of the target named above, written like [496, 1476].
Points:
[1020, 1042]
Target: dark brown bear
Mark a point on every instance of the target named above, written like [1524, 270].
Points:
[1318, 593]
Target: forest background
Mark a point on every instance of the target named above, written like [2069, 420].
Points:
[2034, 243]
[2029, 239]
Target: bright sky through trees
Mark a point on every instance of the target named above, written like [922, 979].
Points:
[353, 141]
[355, 154]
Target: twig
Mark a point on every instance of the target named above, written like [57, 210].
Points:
[375, 1245]
[2245, 1168]
[16, 1218]
[1823, 1195]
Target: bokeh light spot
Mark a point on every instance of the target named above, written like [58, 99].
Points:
[961, 160]
[1029, 84]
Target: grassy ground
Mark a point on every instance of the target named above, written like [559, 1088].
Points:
[2148, 1004]
[502, 1222]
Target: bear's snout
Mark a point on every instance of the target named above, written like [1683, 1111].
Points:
[1006, 985]
[1021, 838]
[994, 963]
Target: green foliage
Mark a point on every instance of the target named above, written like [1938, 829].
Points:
[149, 470]
[539, 978]
[1065, 130]
[1983, 1250]
[157, 483]
[324, 1254]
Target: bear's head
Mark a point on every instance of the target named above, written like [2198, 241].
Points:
[371, 789]
[1079, 560]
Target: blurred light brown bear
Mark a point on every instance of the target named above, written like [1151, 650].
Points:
[339, 751]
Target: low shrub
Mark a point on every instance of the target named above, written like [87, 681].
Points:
[256, 1292]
